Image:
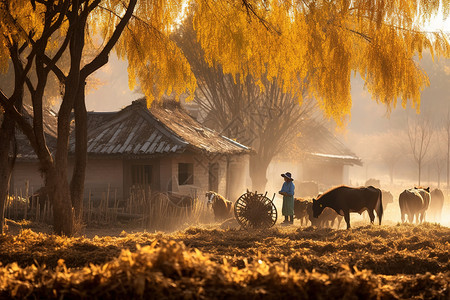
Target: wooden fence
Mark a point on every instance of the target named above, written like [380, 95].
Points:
[147, 209]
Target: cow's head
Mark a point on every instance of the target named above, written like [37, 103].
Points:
[422, 188]
[210, 196]
[317, 208]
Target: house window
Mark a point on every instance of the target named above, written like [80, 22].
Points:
[141, 175]
[185, 173]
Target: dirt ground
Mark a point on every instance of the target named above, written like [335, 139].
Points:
[392, 261]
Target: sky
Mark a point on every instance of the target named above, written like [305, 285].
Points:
[113, 93]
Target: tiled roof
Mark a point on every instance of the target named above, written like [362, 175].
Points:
[24, 149]
[316, 142]
[135, 130]
[197, 136]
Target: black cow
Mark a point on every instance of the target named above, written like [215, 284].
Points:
[414, 203]
[345, 199]
[436, 204]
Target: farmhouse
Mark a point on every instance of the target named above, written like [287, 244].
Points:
[157, 149]
[324, 157]
[316, 155]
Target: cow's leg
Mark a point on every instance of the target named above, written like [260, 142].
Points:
[347, 218]
[411, 218]
[403, 217]
[422, 217]
[371, 215]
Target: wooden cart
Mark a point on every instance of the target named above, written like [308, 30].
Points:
[253, 210]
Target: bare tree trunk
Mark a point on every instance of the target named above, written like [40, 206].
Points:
[420, 172]
[57, 179]
[447, 128]
[391, 175]
[58, 191]
[258, 170]
[77, 183]
[7, 133]
[6, 138]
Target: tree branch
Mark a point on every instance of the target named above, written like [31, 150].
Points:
[102, 57]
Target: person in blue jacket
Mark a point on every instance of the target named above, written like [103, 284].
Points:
[287, 190]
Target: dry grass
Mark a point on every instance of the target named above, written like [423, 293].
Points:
[368, 262]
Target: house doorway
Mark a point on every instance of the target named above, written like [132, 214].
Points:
[213, 181]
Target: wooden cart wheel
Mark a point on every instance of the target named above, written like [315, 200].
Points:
[253, 210]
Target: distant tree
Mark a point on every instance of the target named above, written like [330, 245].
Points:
[447, 130]
[391, 152]
[438, 156]
[257, 114]
[420, 132]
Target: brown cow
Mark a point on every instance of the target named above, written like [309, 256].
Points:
[326, 219]
[345, 199]
[436, 204]
[222, 208]
[300, 210]
[413, 204]
[426, 196]
[373, 182]
[387, 198]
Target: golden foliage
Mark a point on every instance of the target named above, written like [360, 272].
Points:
[314, 44]
[153, 58]
[320, 44]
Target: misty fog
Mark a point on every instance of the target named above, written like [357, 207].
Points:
[375, 133]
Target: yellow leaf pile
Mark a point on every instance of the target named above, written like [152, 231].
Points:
[372, 262]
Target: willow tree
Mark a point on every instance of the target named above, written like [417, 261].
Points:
[319, 42]
[137, 32]
[325, 42]
[258, 114]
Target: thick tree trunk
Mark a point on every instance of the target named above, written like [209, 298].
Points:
[6, 138]
[7, 134]
[58, 192]
[258, 170]
[79, 171]
[57, 179]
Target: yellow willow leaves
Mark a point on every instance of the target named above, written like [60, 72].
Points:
[389, 70]
[17, 18]
[305, 45]
[318, 45]
[4, 54]
[152, 56]
[18, 21]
